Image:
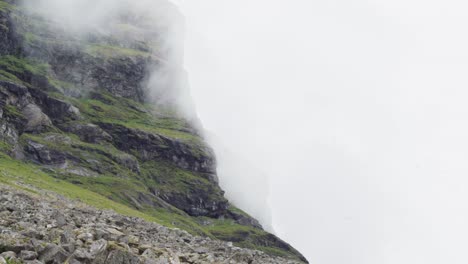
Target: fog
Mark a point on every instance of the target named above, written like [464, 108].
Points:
[157, 23]
[356, 111]
[347, 118]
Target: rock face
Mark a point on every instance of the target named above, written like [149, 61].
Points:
[51, 229]
[78, 109]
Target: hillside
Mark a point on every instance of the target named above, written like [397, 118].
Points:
[77, 119]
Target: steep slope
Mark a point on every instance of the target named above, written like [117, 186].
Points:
[77, 118]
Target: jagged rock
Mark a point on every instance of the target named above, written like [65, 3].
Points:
[28, 255]
[88, 132]
[53, 254]
[149, 146]
[37, 120]
[8, 133]
[42, 154]
[119, 256]
[58, 139]
[98, 247]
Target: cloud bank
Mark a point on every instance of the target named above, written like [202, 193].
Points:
[356, 110]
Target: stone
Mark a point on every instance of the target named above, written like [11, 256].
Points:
[28, 255]
[119, 256]
[85, 237]
[53, 254]
[8, 255]
[97, 247]
[113, 234]
[37, 120]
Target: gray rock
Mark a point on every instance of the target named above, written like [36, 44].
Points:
[119, 256]
[90, 133]
[33, 262]
[8, 255]
[42, 154]
[28, 255]
[37, 120]
[98, 247]
[53, 254]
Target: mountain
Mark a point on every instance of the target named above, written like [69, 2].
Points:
[96, 116]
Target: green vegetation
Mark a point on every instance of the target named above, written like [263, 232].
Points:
[6, 76]
[11, 111]
[105, 108]
[4, 6]
[15, 65]
[108, 51]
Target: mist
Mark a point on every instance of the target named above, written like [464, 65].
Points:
[131, 23]
[355, 110]
[339, 124]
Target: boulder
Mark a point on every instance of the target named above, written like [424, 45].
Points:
[37, 120]
[53, 254]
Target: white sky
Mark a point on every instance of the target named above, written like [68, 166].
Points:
[356, 110]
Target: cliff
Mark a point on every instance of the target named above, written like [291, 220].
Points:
[77, 118]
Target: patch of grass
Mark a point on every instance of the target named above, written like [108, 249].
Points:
[5, 7]
[16, 173]
[12, 111]
[16, 65]
[94, 157]
[114, 51]
[170, 178]
[6, 76]
[13, 172]
[109, 109]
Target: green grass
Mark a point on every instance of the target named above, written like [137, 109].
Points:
[6, 76]
[128, 113]
[4, 6]
[12, 111]
[15, 65]
[16, 173]
[85, 153]
[108, 51]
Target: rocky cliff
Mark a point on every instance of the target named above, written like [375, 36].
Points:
[77, 118]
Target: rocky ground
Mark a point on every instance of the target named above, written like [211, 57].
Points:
[48, 228]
